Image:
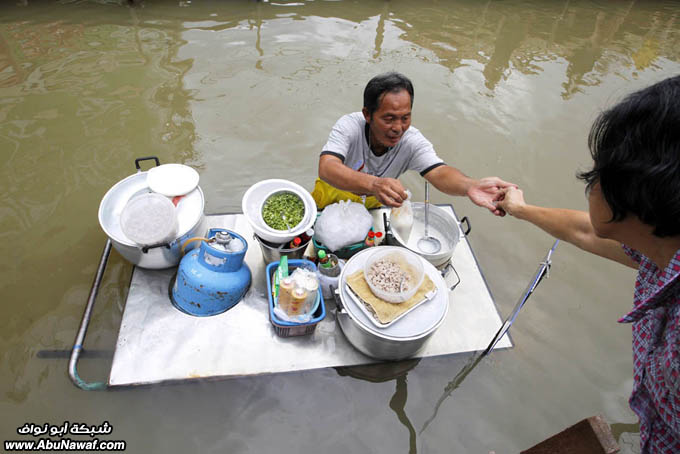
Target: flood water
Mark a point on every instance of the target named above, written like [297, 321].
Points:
[245, 91]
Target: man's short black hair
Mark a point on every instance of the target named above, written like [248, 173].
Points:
[385, 83]
[635, 147]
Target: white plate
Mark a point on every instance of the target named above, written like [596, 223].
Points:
[172, 179]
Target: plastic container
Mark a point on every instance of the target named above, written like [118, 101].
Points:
[328, 282]
[149, 219]
[278, 192]
[408, 262]
[288, 329]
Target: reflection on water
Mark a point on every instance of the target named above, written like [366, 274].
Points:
[396, 371]
[248, 90]
[453, 385]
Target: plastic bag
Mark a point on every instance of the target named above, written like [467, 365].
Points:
[298, 296]
[341, 224]
[401, 218]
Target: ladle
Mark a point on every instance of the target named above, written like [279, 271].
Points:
[428, 244]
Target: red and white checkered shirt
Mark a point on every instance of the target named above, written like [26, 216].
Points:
[656, 354]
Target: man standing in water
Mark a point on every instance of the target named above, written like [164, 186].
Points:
[634, 219]
[367, 151]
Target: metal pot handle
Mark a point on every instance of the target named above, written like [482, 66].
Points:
[445, 273]
[336, 297]
[145, 249]
[147, 158]
[465, 220]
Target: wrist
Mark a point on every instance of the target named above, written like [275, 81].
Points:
[521, 212]
[372, 184]
[468, 184]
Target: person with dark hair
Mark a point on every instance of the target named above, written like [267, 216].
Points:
[367, 151]
[634, 218]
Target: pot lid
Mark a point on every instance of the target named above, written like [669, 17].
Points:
[149, 219]
[417, 323]
[172, 179]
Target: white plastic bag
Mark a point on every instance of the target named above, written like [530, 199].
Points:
[342, 224]
[401, 218]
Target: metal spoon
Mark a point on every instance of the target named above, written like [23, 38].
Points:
[428, 244]
[283, 216]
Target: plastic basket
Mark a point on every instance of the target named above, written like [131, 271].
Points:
[288, 329]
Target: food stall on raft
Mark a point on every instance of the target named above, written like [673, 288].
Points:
[205, 302]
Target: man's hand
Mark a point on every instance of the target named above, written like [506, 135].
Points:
[389, 191]
[511, 200]
[487, 191]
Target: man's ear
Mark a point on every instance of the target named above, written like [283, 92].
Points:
[367, 116]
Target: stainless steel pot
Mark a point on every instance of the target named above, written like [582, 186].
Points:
[442, 226]
[403, 339]
[190, 217]
[272, 253]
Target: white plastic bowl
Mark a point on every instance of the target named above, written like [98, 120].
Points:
[252, 201]
[273, 193]
[408, 261]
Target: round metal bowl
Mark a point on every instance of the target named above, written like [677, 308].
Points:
[189, 216]
[400, 340]
[272, 253]
[442, 226]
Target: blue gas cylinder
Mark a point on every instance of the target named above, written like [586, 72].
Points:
[212, 278]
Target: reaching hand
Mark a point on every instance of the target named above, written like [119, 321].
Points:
[389, 191]
[510, 200]
[486, 191]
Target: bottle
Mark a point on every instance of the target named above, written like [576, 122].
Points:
[295, 243]
[307, 235]
[378, 238]
[324, 261]
[297, 302]
[370, 241]
[312, 287]
[286, 287]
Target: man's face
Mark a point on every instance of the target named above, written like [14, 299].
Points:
[391, 120]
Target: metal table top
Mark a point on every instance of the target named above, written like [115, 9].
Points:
[158, 343]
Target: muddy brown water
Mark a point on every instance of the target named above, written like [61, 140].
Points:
[247, 90]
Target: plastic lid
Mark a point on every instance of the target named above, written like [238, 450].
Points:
[378, 234]
[322, 254]
[371, 234]
[172, 179]
[149, 219]
[297, 241]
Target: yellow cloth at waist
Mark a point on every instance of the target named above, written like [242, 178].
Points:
[324, 194]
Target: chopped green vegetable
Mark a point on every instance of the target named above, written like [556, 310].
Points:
[284, 203]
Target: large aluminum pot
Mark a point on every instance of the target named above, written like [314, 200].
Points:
[441, 226]
[190, 218]
[405, 337]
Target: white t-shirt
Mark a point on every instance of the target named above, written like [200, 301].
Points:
[348, 142]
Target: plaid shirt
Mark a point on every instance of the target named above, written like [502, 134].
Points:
[656, 354]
